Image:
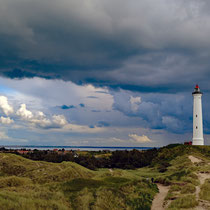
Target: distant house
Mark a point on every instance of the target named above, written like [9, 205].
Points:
[76, 155]
[22, 152]
[188, 143]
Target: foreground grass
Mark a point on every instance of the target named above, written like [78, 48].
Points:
[27, 184]
[42, 199]
[188, 201]
[205, 191]
[110, 193]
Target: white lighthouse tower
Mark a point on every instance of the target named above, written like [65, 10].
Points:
[197, 117]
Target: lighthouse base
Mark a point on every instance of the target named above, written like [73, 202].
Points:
[197, 142]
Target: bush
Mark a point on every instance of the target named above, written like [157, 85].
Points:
[12, 169]
[175, 188]
[205, 190]
[178, 175]
[190, 180]
[13, 181]
[188, 188]
[188, 201]
[163, 180]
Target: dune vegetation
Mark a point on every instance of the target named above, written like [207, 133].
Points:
[29, 184]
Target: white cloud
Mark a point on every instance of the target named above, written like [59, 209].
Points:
[59, 120]
[135, 102]
[114, 139]
[3, 135]
[6, 120]
[82, 128]
[39, 119]
[24, 113]
[7, 109]
[42, 123]
[140, 139]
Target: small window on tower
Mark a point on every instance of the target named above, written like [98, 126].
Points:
[196, 115]
[196, 127]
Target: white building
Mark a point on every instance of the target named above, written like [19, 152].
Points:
[197, 117]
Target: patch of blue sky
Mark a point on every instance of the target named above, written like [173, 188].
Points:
[6, 90]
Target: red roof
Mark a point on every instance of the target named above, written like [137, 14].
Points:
[197, 86]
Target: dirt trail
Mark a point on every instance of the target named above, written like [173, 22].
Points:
[111, 171]
[203, 205]
[158, 201]
[202, 177]
[194, 159]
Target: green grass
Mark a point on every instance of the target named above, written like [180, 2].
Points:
[27, 184]
[175, 188]
[181, 176]
[188, 201]
[110, 193]
[40, 171]
[205, 191]
[188, 188]
[19, 201]
[13, 181]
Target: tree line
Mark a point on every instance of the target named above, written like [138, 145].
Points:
[118, 159]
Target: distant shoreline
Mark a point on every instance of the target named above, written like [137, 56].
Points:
[82, 148]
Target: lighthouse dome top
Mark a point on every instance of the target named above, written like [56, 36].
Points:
[197, 90]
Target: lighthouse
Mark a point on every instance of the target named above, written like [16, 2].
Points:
[197, 117]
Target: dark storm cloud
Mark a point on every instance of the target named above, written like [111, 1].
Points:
[171, 112]
[93, 97]
[82, 105]
[68, 107]
[148, 45]
[103, 124]
[65, 107]
[96, 111]
[99, 91]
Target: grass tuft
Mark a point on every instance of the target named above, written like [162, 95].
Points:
[205, 191]
[188, 188]
[188, 201]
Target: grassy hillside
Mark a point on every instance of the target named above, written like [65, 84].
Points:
[27, 184]
[184, 176]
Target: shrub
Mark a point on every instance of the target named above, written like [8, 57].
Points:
[162, 180]
[190, 180]
[188, 201]
[178, 175]
[13, 181]
[188, 188]
[175, 188]
[205, 190]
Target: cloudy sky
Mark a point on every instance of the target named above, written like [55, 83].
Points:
[102, 72]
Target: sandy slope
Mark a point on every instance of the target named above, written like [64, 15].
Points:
[203, 205]
[194, 159]
[158, 201]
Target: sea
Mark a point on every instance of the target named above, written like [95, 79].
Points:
[81, 148]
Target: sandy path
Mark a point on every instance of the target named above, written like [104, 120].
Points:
[157, 203]
[111, 171]
[202, 177]
[203, 205]
[194, 159]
